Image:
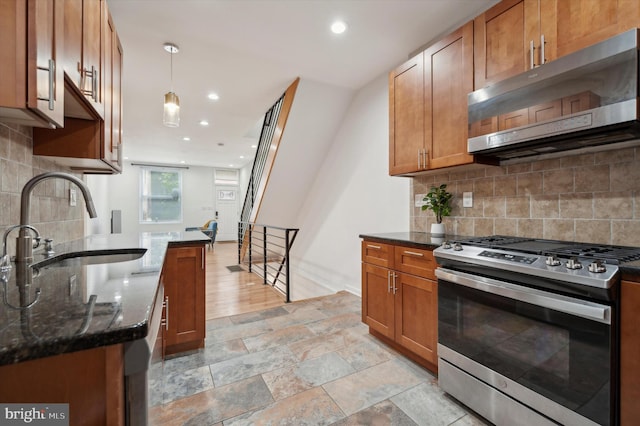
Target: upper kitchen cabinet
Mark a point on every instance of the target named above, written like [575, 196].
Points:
[428, 107]
[448, 77]
[92, 145]
[517, 35]
[83, 32]
[31, 87]
[508, 39]
[582, 23]
[407, 152]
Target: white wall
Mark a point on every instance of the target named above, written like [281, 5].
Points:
[99, 188]
[352, 194]
[197, 199]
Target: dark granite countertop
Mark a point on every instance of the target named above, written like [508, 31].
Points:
[412, 239]
[631, 270]
[51, 308]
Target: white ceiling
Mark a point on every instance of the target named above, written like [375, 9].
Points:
[249, 51]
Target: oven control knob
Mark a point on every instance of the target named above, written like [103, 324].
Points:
[573, 263]
[446, 245]
[552, 261]
[457, 247]
[597, 266]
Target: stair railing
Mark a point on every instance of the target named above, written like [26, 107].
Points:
[268, 253]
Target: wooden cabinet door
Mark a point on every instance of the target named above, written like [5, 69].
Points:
[378, 299]
[184, 285]
[45, 84]
[406, 117]
[500, 49]
[582, 23]
[629, 350]
[32, 82]
[416, 313]
[83, 40]
[112, 88]
[448, 71]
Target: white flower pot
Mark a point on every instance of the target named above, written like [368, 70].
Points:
[437, 229]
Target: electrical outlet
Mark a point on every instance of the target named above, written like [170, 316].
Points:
[72, 197]
[418, 200]
[467, 199]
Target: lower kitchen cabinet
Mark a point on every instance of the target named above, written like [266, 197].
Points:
[629, 350]
[399, 302]
[90, 381]
[183, 275]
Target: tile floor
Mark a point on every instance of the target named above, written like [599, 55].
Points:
[305, 363]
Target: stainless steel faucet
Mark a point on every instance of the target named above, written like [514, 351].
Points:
[24, 245]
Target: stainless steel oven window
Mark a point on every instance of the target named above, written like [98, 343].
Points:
[562, 356]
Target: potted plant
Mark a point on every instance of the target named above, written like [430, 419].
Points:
[439, 201]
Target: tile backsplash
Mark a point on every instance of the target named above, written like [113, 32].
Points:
[589, 197]
[50, 210]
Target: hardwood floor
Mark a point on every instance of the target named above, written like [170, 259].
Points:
[231, 293]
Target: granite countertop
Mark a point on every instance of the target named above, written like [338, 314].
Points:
[51, 308]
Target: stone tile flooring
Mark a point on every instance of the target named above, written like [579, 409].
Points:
[306, 363]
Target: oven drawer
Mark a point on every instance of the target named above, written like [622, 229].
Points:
[415, 261]
[379, 254]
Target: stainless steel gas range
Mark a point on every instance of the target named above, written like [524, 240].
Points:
[528, 329]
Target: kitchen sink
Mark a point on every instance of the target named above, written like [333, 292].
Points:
[93, 257]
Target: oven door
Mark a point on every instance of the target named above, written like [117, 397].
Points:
[548, 352]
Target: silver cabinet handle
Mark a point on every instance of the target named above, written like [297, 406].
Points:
[389, 282]
[394, 283]
[556, 302]
[543, 59]
[419, 159]
[93, 92]
[166, 311]
[531, 55]
[94, 73]
[52, 80]
[374, 247]
[413, 253]
[426, 158]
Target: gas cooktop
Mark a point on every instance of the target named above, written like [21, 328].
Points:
[582, 264]
[610, 254]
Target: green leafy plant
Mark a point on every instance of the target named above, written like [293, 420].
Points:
[439, 201]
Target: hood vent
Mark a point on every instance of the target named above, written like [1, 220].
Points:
[585, 99]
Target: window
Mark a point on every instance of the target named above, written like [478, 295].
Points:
[160, 195]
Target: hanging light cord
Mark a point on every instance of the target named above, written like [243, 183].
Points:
[171, 69]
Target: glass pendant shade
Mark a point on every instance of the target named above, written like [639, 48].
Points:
[171, 117]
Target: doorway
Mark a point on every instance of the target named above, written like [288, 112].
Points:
[227, 212]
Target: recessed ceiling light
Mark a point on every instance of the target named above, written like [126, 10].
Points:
[186, 138]
[204, 123]
[213, 96]
[230, 165]
[338, 27]
[182, 162]
[126, 158]
[242, 156]
[254, 146]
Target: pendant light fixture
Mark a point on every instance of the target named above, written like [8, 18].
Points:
[171, 117]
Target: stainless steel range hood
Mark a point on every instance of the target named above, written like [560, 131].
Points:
[585, 99]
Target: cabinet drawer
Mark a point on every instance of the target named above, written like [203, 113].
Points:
[415, 261]
[377, 254]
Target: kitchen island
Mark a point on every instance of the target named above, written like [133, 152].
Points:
[74, 323]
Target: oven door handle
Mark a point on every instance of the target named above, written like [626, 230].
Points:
[568, 305]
